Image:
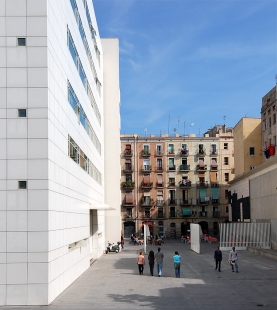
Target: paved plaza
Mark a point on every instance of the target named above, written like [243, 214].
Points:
[113, 282]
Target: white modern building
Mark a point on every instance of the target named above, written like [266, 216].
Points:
[59, 126]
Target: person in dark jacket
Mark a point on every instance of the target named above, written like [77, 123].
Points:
[217, 258]
[151, 259]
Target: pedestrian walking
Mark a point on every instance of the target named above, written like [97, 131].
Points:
[159, 260]
[233, 258]
[151, 259]
[177, 264]
[217, 258]
[140, 262]
[122, 242]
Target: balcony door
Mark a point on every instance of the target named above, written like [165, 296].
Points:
[159, 163]
[171, 163]
[146, 164]
[172, 196]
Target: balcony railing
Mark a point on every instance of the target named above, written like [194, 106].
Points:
[147, 203]
[159, 203]
[201, 168]
[202, 184]
[183, 153]
[215, 201]
[216, 214]
[203, 214]
[171, 168]
[171, 184]
[160, 185]
[128, 185]
[185, 185]
[172, 201]
[128, 169]
[185, 202]
[200, 153]
[145, 153]
[214, 184]
[172, 214]
[146, 185]
[146, 168]
[159, 153]
[128, 153]
[159, 168]
[214, 153]
[127, 217]
[171, 153]
[214, 168]
[184, 167]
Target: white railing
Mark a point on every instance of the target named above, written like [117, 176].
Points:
[242, 235]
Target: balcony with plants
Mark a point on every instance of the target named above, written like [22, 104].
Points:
[145, 153]
[158, 153]
[146, 201]
[128, 153]
[183, 152]
[146, 185]
[171, 152]
[128, 185]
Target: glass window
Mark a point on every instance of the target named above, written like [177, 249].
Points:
[225, 146]
[226, 160]
[252, 150]
[21, 41]
[22, 112]
[22, 184]
[226, 177]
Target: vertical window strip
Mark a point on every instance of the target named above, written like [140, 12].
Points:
[81, 115]
[75, 153]
[83, 76]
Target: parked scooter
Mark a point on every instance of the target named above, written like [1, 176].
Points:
[112, 247]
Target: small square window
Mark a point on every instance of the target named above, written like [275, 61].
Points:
[252, 150]
[22, 184]
[21, 41]
[22, 112]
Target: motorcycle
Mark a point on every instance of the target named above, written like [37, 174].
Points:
[112, 247]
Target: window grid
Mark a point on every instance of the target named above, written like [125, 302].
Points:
[82, 74]
[81, 115]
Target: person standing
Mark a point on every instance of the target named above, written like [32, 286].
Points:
[122, 242]
[140, 262]
[177, 264]
[151, 259]
[233, 258]
[217, 258]
[159, 259]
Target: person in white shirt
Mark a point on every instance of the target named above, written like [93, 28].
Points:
[233, 257]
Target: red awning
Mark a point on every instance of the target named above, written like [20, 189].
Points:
[149, 223]
[129, 197]
[214, 163]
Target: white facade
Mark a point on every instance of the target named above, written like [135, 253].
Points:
[51, 68]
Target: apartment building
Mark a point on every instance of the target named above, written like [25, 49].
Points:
[55, 81]
[172, 181]
[268, 117]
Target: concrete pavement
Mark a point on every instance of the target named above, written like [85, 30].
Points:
[113, 282]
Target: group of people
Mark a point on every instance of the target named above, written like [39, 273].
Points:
[159, 256]
[136, 240]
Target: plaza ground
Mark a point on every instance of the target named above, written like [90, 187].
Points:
[113, 282]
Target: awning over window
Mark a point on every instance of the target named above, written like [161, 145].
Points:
[215, 193]
[146, 194]
[214, 163]
[202, 194]
[146, 179]
[129, 197]
[128, 147]
[186, 211]
[213, 177]
[100, 206]
[159, 179]
[201, 174]
[201, 163]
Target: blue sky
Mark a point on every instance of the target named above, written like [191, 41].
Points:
[195, 60]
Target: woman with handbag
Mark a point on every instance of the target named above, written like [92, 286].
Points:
[177, 264]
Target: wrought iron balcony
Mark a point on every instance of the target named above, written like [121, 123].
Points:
[146, 185]
[159, 203]
[201, 168]
[171, 184]
[185, 184]
[171, 168]
[159, 153]
[128, 185]
[214, 153]
[145, 153]
[184, 153]
[128, 153]
[172, 201]
[159, 185]
[214, 168]
[203, 214]
[202, 184]
[146, 168]
[215, 184]
[200, 153]
[185, 202]
[159, 169]
[128, 169]
[170, 153]
[184, 168]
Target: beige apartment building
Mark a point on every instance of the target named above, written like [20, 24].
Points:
[172, 181]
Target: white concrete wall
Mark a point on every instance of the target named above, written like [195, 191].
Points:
[112, 138]
[37, 224]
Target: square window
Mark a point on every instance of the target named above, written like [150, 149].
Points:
[21, 41]
[225, 146]
[22, 112]
[22, 184]
[252, 150]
